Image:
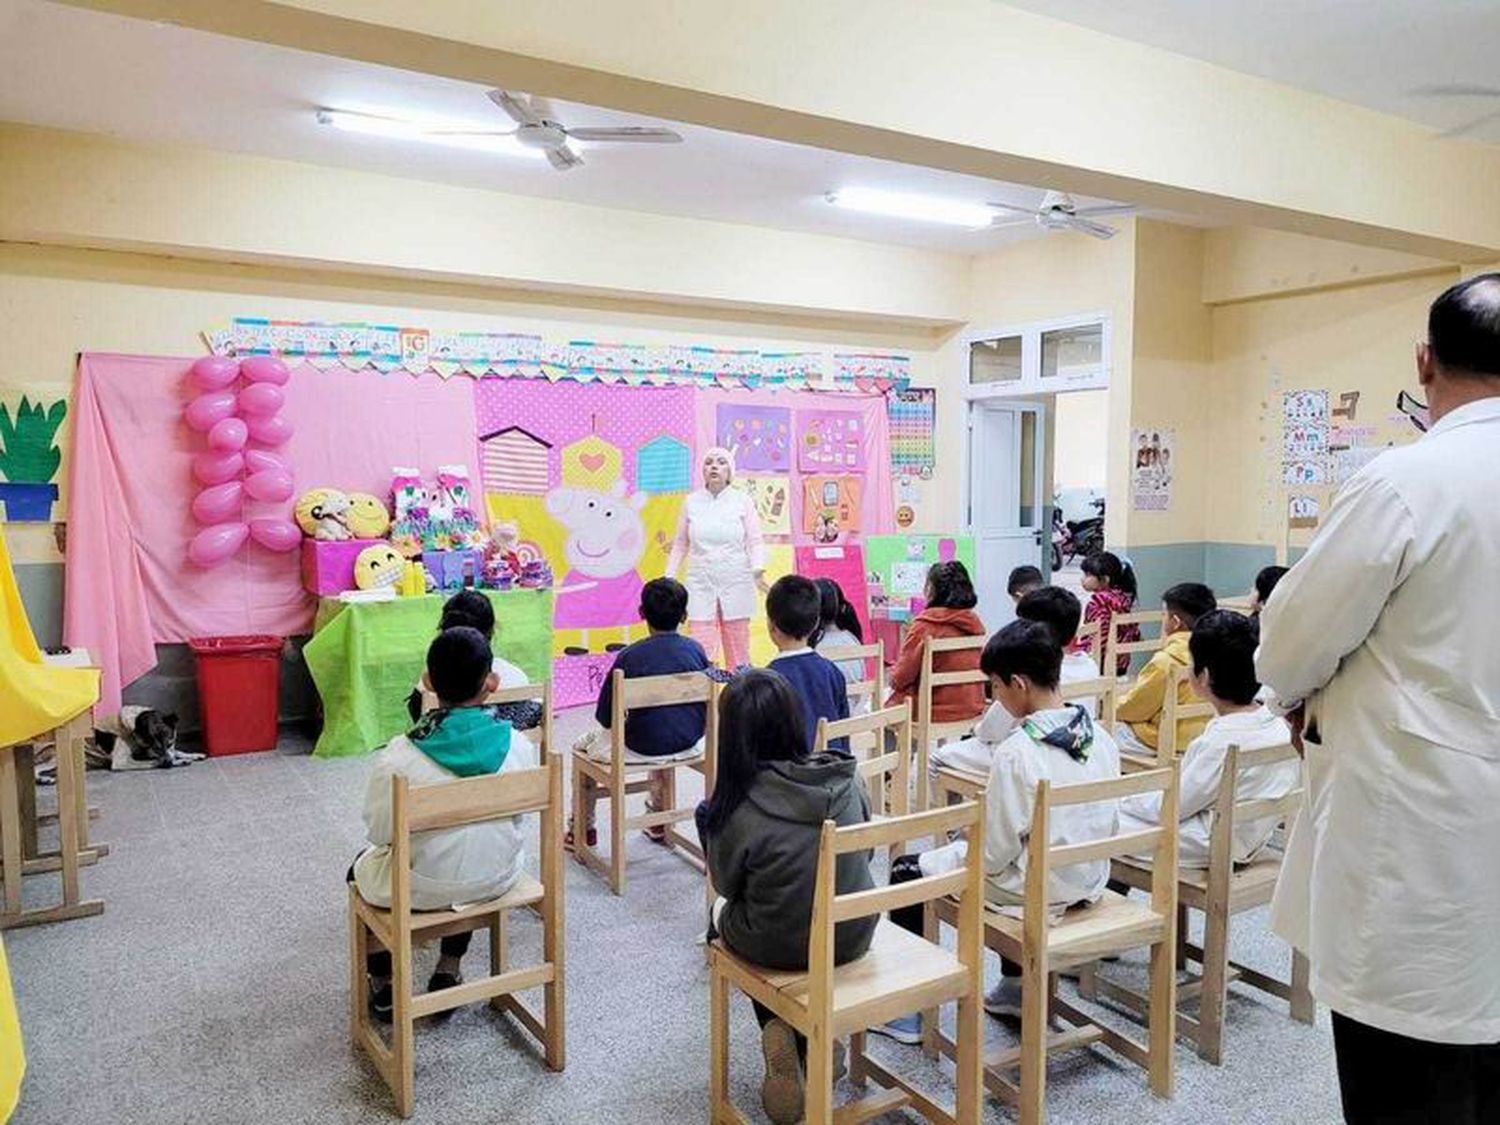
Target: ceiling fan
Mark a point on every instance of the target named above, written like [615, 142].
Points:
[1461, 90]
[1058, 212]
[536, 128]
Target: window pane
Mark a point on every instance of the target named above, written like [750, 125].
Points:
[995, 361]
[1073, 353]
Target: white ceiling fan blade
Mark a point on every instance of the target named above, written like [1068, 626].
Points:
[563, 158]
[468, 132]
[1089, 227]
[1012, 223]
[1456, 90]
[1467, 127]
[1101, 211]
[1011, 207]
[515, 107]
[645, 134]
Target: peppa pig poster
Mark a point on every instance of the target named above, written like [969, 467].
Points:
[601, 521]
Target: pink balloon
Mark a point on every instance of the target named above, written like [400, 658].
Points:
[269, 429]
[215, 372]
[213, 545]
[228, 435]
[264, 369]
[219, 503]
[216, 468]
[260, 460]
[272, 485]
[276, 535]
[261, 398]
[208, 409]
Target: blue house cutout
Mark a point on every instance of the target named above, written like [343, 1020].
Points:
[663, 464]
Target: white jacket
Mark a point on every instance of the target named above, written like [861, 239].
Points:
[451, 866]
[1202, 772]
[1390, 628]
[720, 538]
[996, 723]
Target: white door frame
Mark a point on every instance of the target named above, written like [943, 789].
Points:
[1039, 455]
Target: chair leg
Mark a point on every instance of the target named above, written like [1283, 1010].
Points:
[1181, 957]
[617, 834]
[499, 953]
[924, 782]
[68, 783]
[402, 1045]
[968, 1104]
[358, 997]
[1033, 1043]
[1212, 998]
[818, 1104]
[1303, 1005]
[1161, 1018]
[858, 1074]
[582, 807]
[10, 833]
[718, 1047]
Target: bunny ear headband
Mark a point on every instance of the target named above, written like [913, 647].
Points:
[722, 452]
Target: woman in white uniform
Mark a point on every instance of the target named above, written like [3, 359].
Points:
[719, 537]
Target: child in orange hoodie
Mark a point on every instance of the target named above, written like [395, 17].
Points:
[949, 613]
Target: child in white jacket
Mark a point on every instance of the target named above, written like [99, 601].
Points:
[1222, 646]
[451, 866]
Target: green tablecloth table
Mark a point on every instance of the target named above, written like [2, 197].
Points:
[365, 657]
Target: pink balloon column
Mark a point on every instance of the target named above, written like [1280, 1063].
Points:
[231, 471]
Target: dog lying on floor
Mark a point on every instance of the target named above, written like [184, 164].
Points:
[143, 738]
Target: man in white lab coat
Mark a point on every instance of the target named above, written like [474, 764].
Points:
[1389, 630]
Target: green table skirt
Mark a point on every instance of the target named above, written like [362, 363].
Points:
[365, 658]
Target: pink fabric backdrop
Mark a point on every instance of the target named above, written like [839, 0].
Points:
[128, 582]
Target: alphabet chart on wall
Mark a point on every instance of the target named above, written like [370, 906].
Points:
[913, 420]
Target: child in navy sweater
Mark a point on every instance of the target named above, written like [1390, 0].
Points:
[794, 611]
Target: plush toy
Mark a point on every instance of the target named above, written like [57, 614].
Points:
[501, 556]
[378, 567]
[323, 513]
[368, 516]
[410, 519]
[452, 496]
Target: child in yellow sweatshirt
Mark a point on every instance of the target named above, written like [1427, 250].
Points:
[1138, 712]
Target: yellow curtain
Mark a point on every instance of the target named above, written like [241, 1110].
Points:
[34, 697]
[12, 1055]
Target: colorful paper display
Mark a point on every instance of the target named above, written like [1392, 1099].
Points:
[773, 502]
[830, 441]
[831, 507]
[896, 566]
[846, 566]
[913, 422]
[759, 437]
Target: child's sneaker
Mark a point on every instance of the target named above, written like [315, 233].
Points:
[782, 1092]
[658, 833]
[591, 837]
[1005, 998]
[903, 1029]
[380, 1001]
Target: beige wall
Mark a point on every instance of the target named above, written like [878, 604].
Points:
[1080, 451]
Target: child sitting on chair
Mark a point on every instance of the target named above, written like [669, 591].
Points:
[449, 866]
[1023, 580]
[1055, 742]
[793, 614]
[471, 608]
[760, 832]
[1222, 646]
[949, 613]
[1138, 714]
[1059, 610]
[1110, 581]
[654, 732]
[1265, 581]
[840, 628]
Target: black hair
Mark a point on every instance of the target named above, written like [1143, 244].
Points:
[1054, 607]
[1463, 327]
[1223, 642]
[664, 604]
[1190, 601]
[1023, 648]
[1266, 581]
[760, 721]
[795, 606]
[950, 587]
[471, 608]
[458, 660]
[1109, 567]
[1023, 580]
[836, 610]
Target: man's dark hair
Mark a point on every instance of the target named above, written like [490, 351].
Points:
[1463, 327]
[1054, 607]
[1023, 580]
[795, 606]
[1190, 601]
[664, 604]
[1023, 648]
[458, 660]
[1223, 642]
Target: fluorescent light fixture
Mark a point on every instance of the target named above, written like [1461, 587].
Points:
[924, 208]
[429, 132]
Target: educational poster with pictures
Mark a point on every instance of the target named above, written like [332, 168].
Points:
[913, 422]
[759, 437]
[897, 567]
[1152, 467]
[830, 441]
[1302, 511]
[844, 564]
[773, 502]
[831, 507]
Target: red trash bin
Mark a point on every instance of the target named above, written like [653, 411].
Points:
[239, 692]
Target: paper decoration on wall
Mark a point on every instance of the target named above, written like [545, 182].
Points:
[1347, 407]
[1302, 511]
[384, 347]
[913, 421]
[830, 507]
[1151, 469]
[773, 502]
[1304, 472]
[830, 441]
[591, 462]
[1304, 406]
[908, 579]
[896, 566]
[29, 457]
[1344, 463]
[844, 565]
[760, 437]
[664, 464]
[873, 372]
[1301, 440]
[515, 460]
[796, 366]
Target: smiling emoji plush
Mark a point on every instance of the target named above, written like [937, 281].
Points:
[378, 567]
[367, 517]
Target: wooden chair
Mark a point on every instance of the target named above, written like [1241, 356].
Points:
[1092, 642]
[929, 732]
[901, 973]
[1113, 925]
[447, 805]
[1116, 648]
[878, 740]
[616, 779]
[872, 658]
[1174, 713]
[19, 855]
[1220, 892]
[1238, 605]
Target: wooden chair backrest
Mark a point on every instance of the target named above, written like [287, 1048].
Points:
[1115, 647]
[931, 679]
[888, 757]
[867, 686]
[1091, 640]
[645, 692]
[1173, 712]
[540, 692]
[1228, 809]
[1238, 605]
[1102, 689]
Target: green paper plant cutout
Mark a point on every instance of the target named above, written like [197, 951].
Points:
[27, 450]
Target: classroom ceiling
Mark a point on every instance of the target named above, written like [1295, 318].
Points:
[70, 68]
[1374, 53]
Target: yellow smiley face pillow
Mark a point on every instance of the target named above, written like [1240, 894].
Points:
[378, 567]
